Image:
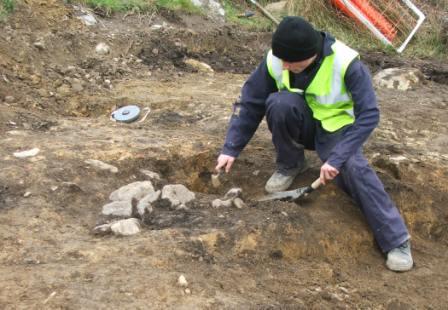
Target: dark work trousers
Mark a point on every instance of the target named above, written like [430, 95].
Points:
[294, 129]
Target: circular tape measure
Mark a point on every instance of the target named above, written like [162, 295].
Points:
[126, 114]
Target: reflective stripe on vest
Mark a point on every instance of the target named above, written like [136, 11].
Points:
[326, 95]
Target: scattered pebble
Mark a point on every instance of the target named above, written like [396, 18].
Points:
[25, 154]
[150, 174]
[233, 193]
[182, 281]
[118, 208]
[27, 194]
[215, 180]
[126, 227]
[102, 229]
[218, 203]
[102, 49]
[239, 203]
[101, 165]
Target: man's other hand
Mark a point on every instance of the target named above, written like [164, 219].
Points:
[327, 173]
[224, 162]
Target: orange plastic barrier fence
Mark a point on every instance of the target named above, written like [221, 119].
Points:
[375, 17]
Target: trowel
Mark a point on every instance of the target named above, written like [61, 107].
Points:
[294, 194]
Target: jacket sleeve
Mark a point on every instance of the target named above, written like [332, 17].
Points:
[359, 85]
[249, 111]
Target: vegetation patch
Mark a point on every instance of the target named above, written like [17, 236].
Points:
[6, 7]
[111, 6]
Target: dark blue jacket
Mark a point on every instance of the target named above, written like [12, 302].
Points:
[249, 112]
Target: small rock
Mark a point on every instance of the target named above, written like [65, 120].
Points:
[39, 45]
[256, 172]
[102, 49]
[156, 27]
[177, 194]
[118, 208]
[398, 78]
[144, 205]
[63, 90]
[218, 203]
[233, 193]
[215, 180]
[200, 66]
[150, 174]
[10, 99]
[126, 227]
[182, 281]
[239, 203]
[88, 19]
[101, 165]
[27, 194]
[102, 229]
[187, 291]
[77, 87]
[136, 190]
[25, 154]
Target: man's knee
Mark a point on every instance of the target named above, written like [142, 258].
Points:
[283, 104]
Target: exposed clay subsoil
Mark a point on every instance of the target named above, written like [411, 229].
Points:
[316, 254]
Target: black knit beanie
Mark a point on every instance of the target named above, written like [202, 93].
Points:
[295, 40]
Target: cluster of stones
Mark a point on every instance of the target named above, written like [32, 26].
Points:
[131, 203]
[232, 198]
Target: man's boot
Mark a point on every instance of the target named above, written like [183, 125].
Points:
[282, 178]
[400, 258]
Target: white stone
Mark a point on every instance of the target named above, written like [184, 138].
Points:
[101, 165]
[177, 194]
[182, 281]
[28, 153]
[10, 99]
[118, 208]
[151, 174]
[198, 65]
[239, 203]
[215, 180]
[102, 49]
[233, 192]
[88, 19]
[145, 202]
[218, 203]
[398, 78]
[136, 190]
[102, 229]
[126, 227]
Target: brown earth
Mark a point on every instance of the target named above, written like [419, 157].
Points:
[56, 94]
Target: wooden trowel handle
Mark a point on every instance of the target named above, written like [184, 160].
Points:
[316, 184]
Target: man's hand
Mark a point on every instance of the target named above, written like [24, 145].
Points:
[224, 162]
[327, 173]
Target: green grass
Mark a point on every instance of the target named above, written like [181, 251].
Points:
[6, 7]
[235, 8]
[112, 6]
[426, 43]
[183, 5]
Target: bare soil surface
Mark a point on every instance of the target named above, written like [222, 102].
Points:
[56, 94]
